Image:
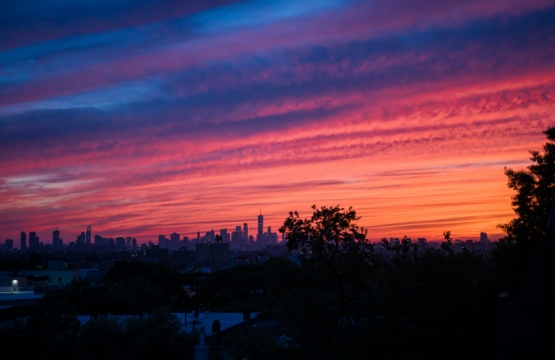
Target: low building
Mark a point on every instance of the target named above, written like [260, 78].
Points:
[54, 277]
[191, 321]
[21, 283]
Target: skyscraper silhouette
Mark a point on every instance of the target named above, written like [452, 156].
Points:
[88, 235]
[260, 235]
[33, 241]
[81, 238]
[174, 241]
[225, 236]
[56, 238]
[120, 242]
[23, 241]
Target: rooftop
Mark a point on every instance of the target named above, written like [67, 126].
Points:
[204, 319]
[9, 299]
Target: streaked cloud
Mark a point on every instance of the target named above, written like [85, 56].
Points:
[176, 117]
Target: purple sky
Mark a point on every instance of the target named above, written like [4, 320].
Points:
[147, 117]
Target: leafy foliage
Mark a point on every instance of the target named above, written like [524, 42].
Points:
[535, 195]
[534, 198]
[256, 287]
[329, 240]
[52, 331]
[352, 303]
[128, 288]
[429, 304]
[49, 331]
[156, 336]
[326, 234]
[151, 285]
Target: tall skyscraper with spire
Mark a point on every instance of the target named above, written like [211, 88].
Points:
[260, 235]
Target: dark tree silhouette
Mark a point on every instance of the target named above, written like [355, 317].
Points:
[330, 231]
[330, 235]
[535, 195]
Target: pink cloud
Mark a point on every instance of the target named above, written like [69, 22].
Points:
[421, 152]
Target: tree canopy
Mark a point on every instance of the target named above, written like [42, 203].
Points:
[356, 304]
[328, 232]
[532, 202]
[535, 195]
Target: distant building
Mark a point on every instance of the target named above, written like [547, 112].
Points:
[272, 237]
[237, 237]
[120, 242]
[33, 241]
[484, 237]
[156, 253]
[163, 241]
[184, 243]
[81, 239]
[23, 241]
[174, 241]
[56, 241]
[8, 244]
[88, 235]
[260, 227]
[212, 253]
[226, 237]
[469, 244]
[180, 259]
[100, 241]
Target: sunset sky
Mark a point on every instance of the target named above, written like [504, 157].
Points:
[148, 117]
